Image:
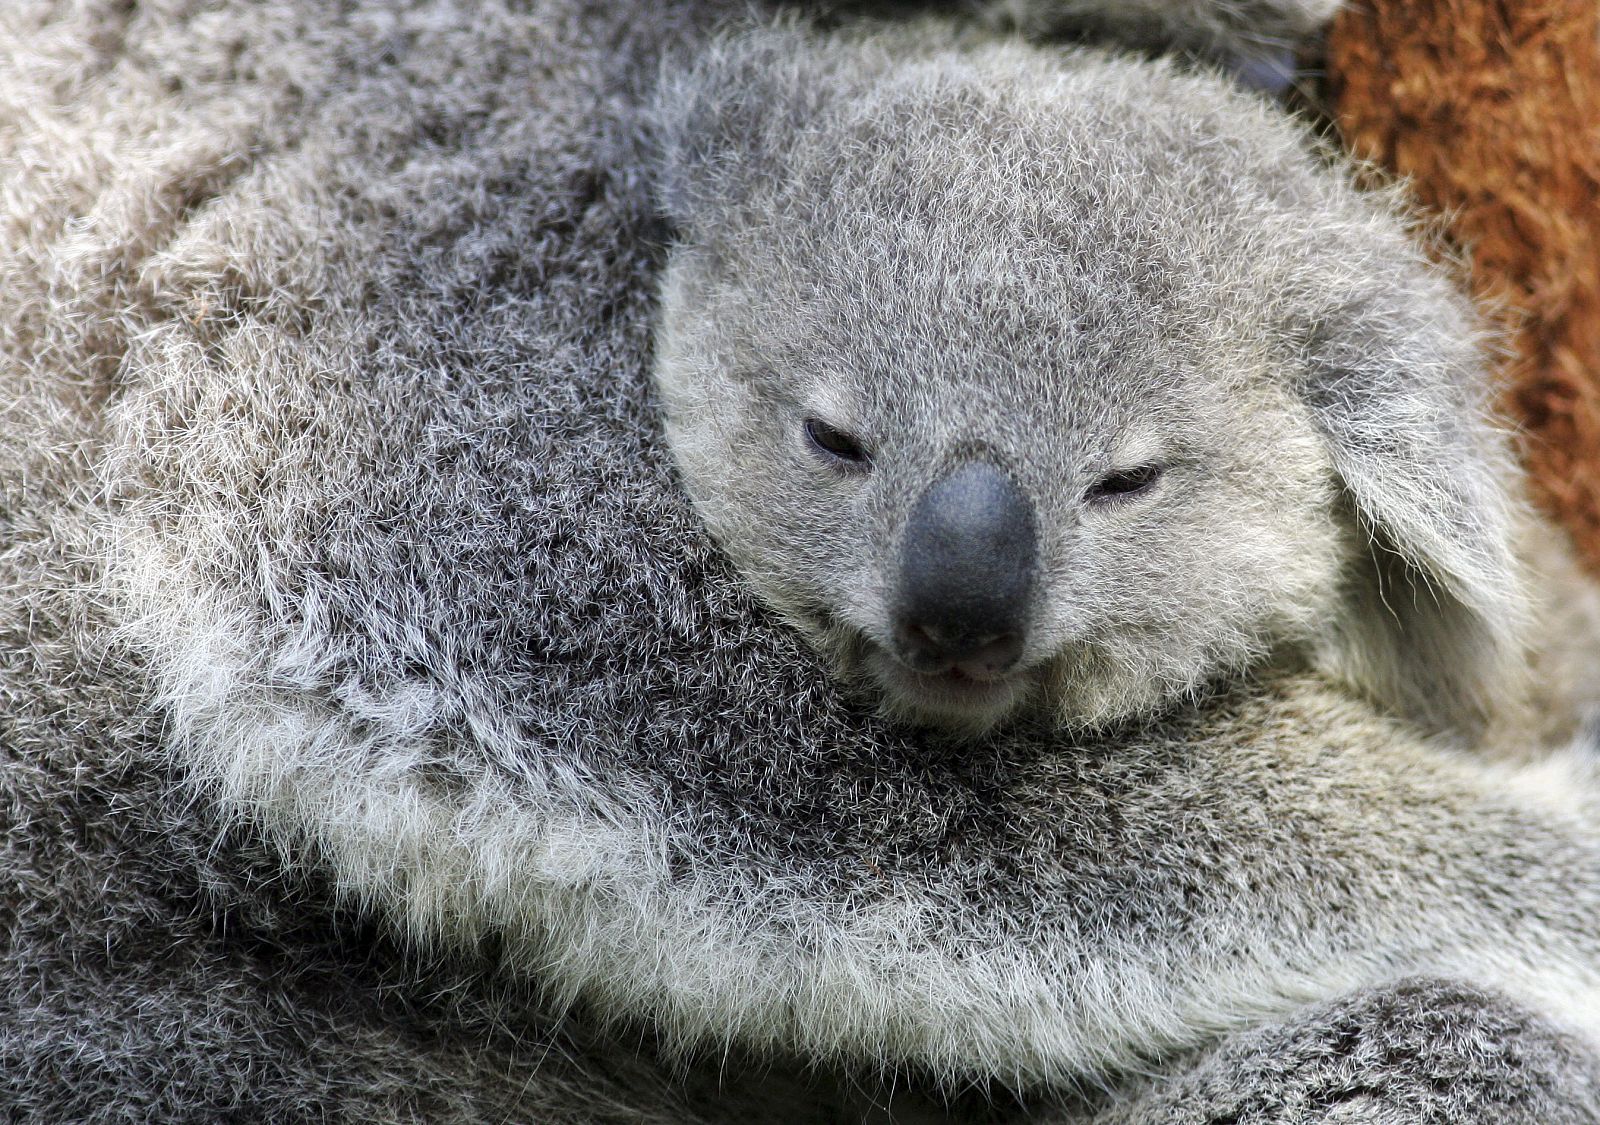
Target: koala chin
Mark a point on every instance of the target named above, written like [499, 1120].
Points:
[1043, 379]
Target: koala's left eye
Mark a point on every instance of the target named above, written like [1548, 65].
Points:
[837, 445]
[1128, 482]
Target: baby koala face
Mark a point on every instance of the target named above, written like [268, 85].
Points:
[978, 476]
[995, 372]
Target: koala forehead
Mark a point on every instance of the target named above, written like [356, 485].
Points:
[906, 329]
[900, 353]
[954, 244]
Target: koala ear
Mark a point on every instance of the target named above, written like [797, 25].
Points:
[1432, 623]
[724, 120]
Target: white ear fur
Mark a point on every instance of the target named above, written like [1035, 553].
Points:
[1435, 612]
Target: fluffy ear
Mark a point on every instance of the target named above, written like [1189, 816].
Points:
[732, 120]
[725, 119]
[1434, 616]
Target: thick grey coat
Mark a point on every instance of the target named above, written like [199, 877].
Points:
[368, 689]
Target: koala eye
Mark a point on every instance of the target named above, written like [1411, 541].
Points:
[836, 445]
[1128, 482]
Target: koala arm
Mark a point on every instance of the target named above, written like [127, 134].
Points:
[1421, 1049]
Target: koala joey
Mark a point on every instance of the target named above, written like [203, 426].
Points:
[1047, 380]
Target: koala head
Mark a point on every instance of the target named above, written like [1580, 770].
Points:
[1062, 381]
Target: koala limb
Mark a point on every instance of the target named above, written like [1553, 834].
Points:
[1418, 1050]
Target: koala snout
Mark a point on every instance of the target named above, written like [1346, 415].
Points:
[966, 567]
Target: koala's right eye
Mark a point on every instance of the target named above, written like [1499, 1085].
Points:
[837, 446]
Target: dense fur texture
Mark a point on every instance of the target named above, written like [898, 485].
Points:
[369, 688]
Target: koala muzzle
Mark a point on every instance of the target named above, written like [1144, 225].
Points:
[966, 568]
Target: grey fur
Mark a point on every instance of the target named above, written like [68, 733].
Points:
[1228, 29]
[1419, 1051]
[367, 689]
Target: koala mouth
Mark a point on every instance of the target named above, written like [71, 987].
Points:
[967, 699]
[949, 696]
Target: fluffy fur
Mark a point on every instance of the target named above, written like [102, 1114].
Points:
[370, 690]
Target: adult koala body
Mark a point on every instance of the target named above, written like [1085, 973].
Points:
[368, 689]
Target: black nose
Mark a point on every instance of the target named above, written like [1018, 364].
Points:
[967, 562]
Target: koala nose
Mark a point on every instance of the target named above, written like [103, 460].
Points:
[967, 560]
